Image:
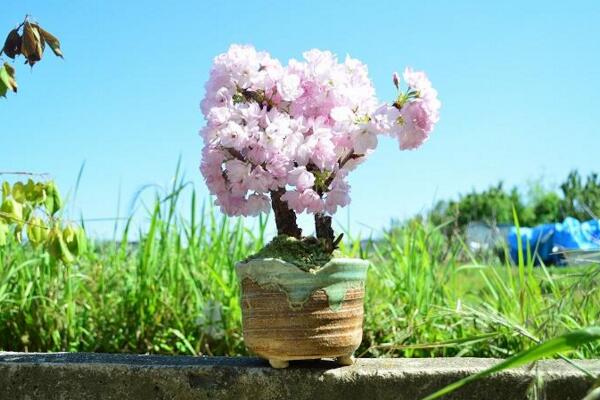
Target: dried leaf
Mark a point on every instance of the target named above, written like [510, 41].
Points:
[36, 28]
[52, 41]
[31, 45]
[12, 45]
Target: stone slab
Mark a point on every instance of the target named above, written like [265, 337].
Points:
[128, 376]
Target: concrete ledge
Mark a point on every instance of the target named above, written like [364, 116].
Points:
[120, 376]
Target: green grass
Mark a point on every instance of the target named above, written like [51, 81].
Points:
[175, 292]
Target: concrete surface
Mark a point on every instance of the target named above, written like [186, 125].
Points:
[120, 376]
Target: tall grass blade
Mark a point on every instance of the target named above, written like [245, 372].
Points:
[568, 341]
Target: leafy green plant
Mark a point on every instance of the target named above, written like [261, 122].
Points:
[30, 210]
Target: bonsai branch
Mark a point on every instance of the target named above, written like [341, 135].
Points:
[341, 162]
[324, 229]
[285, 219]
[325, 232]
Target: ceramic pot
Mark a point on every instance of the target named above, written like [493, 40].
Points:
[290, 314]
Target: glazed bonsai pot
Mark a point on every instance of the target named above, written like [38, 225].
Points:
[292, 314]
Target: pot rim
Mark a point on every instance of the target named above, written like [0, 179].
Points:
[335, 278]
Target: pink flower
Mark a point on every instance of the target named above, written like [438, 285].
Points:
[289, 87]
[237, 170]
[256, 204]
[301, 178]
[307, 200]
[416, 127]
[233, 135]
[312, 201]
[270, 126]
[418, 81]
[335, 199]
[363, 141]
[218, 115]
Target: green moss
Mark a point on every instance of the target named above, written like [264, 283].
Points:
[307, 253]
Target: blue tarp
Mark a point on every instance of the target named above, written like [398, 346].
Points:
[546, 239]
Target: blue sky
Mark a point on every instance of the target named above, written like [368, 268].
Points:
[518, 81]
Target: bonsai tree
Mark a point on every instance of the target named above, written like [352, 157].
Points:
[286, 137]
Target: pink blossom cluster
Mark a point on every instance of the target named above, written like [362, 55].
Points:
[300, 128]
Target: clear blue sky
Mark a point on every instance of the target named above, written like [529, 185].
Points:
[519, 82]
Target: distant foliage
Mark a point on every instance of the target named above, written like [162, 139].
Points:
[493, 205]
[578, 198]
[581, 199]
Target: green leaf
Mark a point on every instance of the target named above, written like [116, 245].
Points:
[18, 233]
[3, 88]
[57, 247]
[70, 235]
[3, 233]
[27, 211]
[35, 192]
[18, 192]
[568, 341]
[30, 193]
[11, 211]
[7, 79]
[37, 232]
[53, 200]
[5, 190]
[81, 241]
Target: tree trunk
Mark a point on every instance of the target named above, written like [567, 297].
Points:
[324, 230]
[285, 219]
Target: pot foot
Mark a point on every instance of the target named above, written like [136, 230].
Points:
[278, 364]
[345, 360]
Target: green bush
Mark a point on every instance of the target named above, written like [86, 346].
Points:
[494, 205]
[581, 200]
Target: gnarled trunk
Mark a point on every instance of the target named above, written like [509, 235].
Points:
[285, 219]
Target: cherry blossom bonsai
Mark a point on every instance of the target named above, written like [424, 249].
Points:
[285, 138]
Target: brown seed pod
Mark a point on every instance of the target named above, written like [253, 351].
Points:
[31, 46]
[12, 44]
[52, 40]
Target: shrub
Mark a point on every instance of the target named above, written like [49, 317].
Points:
[578, 198]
